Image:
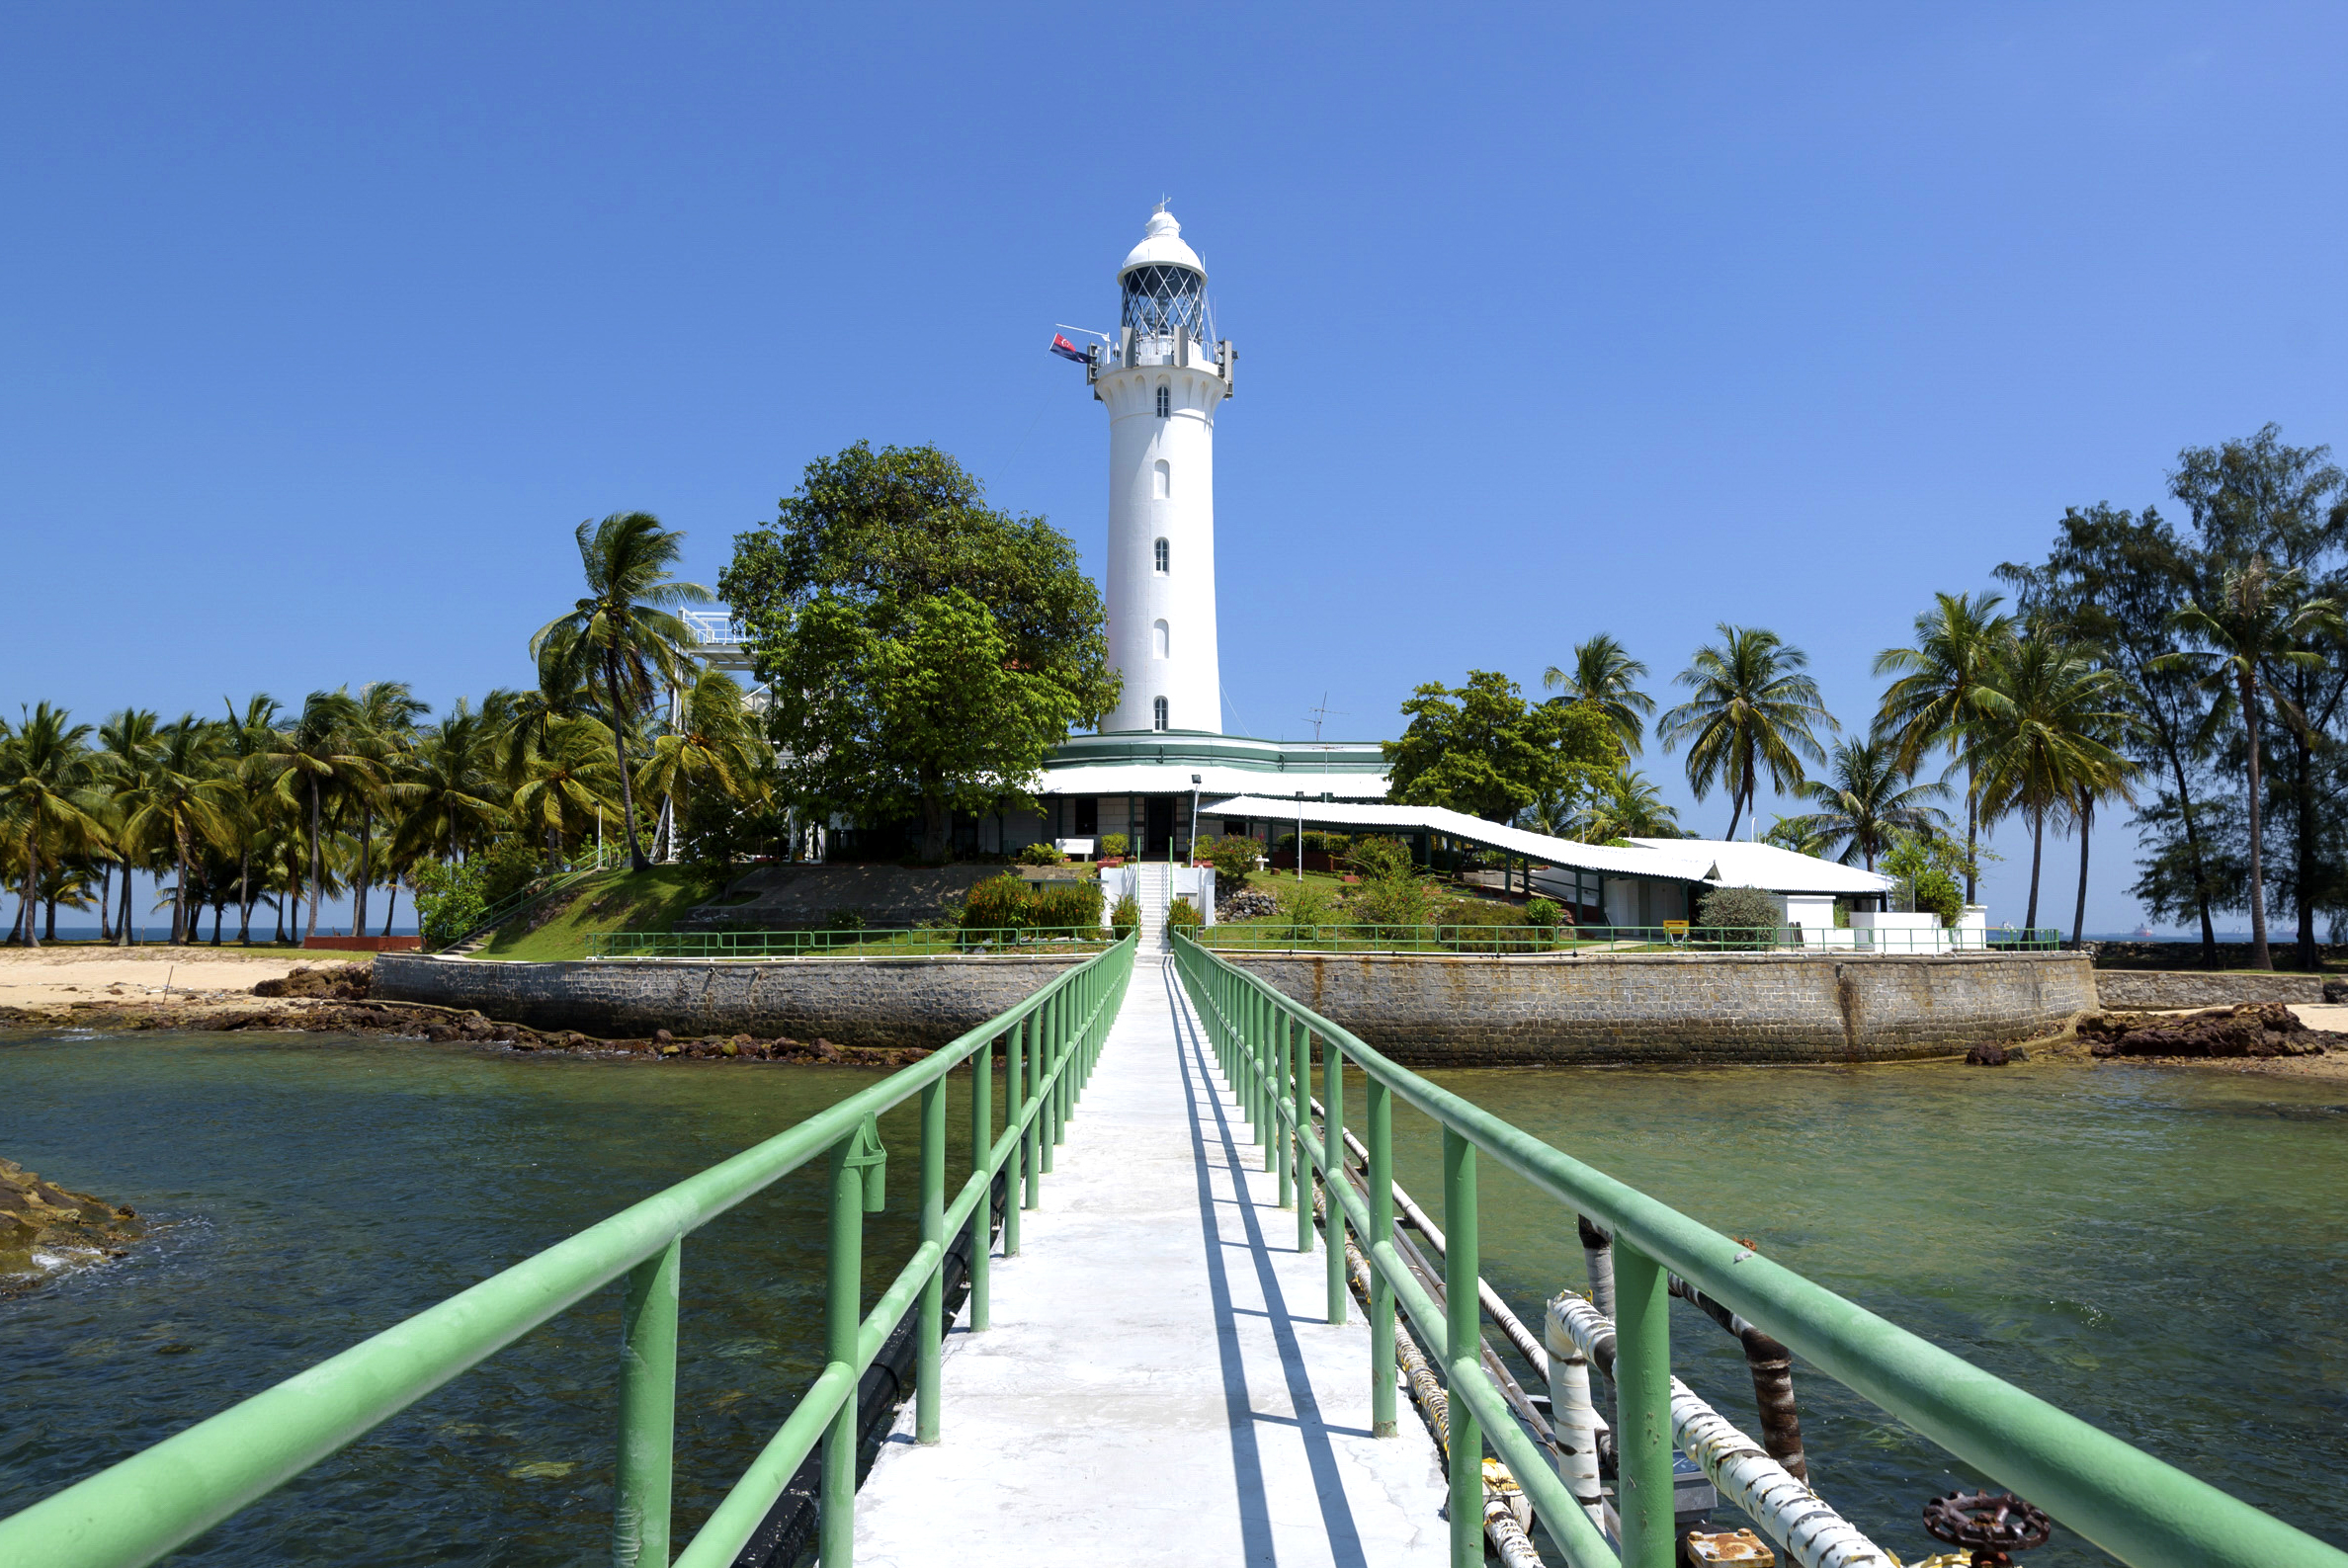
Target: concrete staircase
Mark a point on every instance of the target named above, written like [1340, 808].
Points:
[1154, 890]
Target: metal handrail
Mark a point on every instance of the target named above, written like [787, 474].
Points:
[895, 942]
[1276, 936]
[535, 891]
[164, 1496]
[2140, 1509]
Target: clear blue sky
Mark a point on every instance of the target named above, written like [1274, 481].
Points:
[322, 325]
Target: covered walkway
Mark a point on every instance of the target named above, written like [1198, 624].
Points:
[1159, 1384]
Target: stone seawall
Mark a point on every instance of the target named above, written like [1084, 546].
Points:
[2155, 989]
[893, 1002]
[1453, 1010]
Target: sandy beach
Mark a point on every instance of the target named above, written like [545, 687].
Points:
[61, 975]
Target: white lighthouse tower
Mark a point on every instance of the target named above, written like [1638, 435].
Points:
[1162, 379]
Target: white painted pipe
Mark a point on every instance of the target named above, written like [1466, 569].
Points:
[1572, 1416]
[1813, 1534]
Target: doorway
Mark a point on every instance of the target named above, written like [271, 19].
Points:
[1157, 830]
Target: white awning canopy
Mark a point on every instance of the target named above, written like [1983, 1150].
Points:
[1720, 862]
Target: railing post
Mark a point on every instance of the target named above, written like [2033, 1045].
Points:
[1332, 1149]
[1295, 1048]
[932, 1331]
[1642, 1407]
[1378, 1134]
[1039, 1081]
[843, 1301]
[1064, 1025]
[648, 1412]
[1020, 1191]
[1464, 1329]
[982, 1223]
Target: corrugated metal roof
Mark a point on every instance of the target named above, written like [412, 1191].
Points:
[1720, 861]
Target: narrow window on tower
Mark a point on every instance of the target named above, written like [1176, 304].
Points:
[1157, 708]
[1165, 402]
[1159, 639]
[1161, 483]
[1163, 557]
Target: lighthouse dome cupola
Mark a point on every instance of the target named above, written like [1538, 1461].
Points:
[1163, 284]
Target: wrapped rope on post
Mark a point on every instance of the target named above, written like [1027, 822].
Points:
[1575, 1420]
[1598, 1254]
[1813, 1534]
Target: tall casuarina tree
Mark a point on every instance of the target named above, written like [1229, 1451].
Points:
[1943, 692]
[621, 639]
[2258, 619]
[1750, 708]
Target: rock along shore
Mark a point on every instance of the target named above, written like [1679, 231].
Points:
[45, 1229]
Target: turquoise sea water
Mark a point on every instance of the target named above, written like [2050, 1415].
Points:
[2163, 1252]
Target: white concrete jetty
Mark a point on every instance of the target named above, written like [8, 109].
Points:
[1160, 1384]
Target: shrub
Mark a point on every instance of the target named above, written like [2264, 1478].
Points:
[1125, 917]
[449, 901]
[1739, 909]
[1112, 846]
[506, 868]
[1232, 859]
[1392, 906]
[1304, 905]
[1327, 843]
[1478, 926]
[844, 920]
[1042, 852]
[1378, 856]
[1928, 866]
[1000, 904]
[1183, 915]
[1060, 904]
[1544, 913]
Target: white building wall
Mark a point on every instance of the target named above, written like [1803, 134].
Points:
[1176, 607]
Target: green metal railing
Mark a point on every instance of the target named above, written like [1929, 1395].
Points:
[165, 1496]
[1278, 936]
[896, 942]
[538, 890]
[2141, 1510]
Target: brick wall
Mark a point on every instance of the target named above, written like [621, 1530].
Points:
[1447, 1009]
[921, 1002]
[2154, 989]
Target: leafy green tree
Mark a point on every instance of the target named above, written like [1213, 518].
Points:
[1606, 676]
[1750, 708]
[620, 642]
[2255, 623]
[2260, 497]
[2112, 581]
[1943, 692]
[1481, 749]
[924, 652]
[48, 802]
[1926, 862]
[1866, 798]
[2049, 739]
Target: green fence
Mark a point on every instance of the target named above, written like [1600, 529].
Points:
[165, 1496]
[2139, 1509]
[909, 942]
[1276, 936]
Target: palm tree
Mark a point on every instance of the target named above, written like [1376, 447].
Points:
[620, 640]
[1944, 689]
[383, 724]
[1869, 800]
[571, 783]
[714, 741]
[2257, 615]
[1630, 807]
[455, 801]
[48, 798]
[2048, 740]
[126, 751]
[249, 741]
[320, 753]
[1752, 707]
[1605, 674]
[187, 793]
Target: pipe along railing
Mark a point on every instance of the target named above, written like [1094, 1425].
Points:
[2140, 1509]
[165, 1496]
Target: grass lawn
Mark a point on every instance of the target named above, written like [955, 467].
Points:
[652, 900]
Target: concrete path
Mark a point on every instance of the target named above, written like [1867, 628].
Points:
[1159, 1386]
